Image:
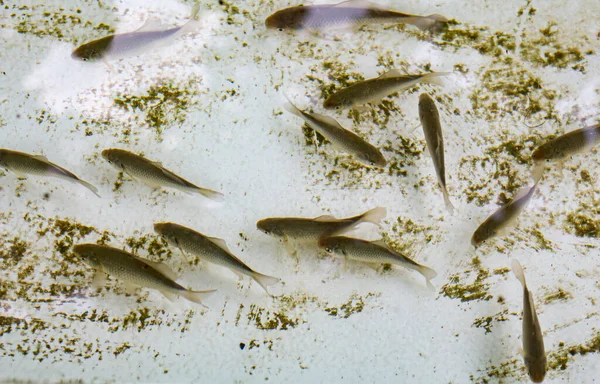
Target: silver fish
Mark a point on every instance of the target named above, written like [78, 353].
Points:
[135, 271]
[152, 173]
[340, 137]
[132, 43]
[534, 353]
[211, 249]
[305, 229]
[21, 163]
[503, 218]
[376, 252]
[372, 91]
[430, 120]
[559, 148]
[345, 14]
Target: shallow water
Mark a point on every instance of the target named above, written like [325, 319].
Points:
[209, 106]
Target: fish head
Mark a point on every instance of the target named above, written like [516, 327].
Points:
[289, 18]
[481, 235]
[332, 246]
[87, 52]
[270, 227]
[111, 155]
[373, 159]
[87, 253]
[536, 368]
[165, 230]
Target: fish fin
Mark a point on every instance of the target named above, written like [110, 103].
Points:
[447, 202]
[89, 186]
[434, 78]
[18, 174]
[328, 120]
[169, 295]
[437, 17]
[427, 272]
[151, 24]
[129, 287]
[290, 249]
[157, 163]
[291, 107]
[194, 23]
[537, 171]
[425, 23]
[518, 271]
[162, 268]
[264, 281]
[324, 218]
[99, 279]
[41, 158]
[238, 274]
[197, 296]
[210, 194]
[391, 73]
[219, 243]
[521, 193]
[381, 243]
[357, 4]
[374, 216]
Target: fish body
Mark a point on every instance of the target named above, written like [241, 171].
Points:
[432, 128]
[345, 14]
[503, 218]
[376, 252]
[136, 271]
[372, 91]
[340, 137]
[305, 229]
[534, 353]
[131, 43]
[22, 164]
[213, 250]
[152, 173]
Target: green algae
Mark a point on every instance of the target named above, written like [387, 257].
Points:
[559, 295]
[462, 286]
[487, 322]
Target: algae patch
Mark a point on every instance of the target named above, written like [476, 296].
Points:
[464, 287]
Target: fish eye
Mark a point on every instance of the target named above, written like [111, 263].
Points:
[280, 29]
[328, 250]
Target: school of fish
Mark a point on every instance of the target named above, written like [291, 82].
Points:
[325, 233]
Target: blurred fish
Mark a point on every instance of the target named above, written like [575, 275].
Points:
[340, 137]
[211, 249]
[375, 252]
[305, 229]
[21, 163]
[372, 91]
[144, 39]
[503, 218]
[134, 271]
[153, 173]
[558, 149]
[353, 13]
[430, 120]
[533, 339]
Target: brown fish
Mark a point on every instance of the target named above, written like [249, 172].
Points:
[534, 353]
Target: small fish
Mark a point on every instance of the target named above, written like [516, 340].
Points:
[503, 218]
[21, 163]
[372, 91]
[133, 43]
[430, 120]
[340, 137]
[558, 149]
[533, 339]
[135, 271]
[353, 13]
[211, 249]
[153, 173]
[305, 229]
[375, 252]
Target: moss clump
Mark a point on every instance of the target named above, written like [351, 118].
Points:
[354, 305]
[559, 295]
[162, 105]
[267, 320]
[12, 253]
[559, 359]
[476, 290]
[310, 136]
[339, 77]
[487, 322]
[582, 225]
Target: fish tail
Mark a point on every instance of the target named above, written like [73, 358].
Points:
[198, 296]
[537, 171]
[209, 193]
[291, 107]
[89, 186]
[447, 201]
[518, 271]
[374, 216]
[434, 78]
[265, 280]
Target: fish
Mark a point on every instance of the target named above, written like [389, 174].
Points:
[153, 173]
[503, 218]
[534, 353]
[340, 137]
[353, 13]
[430, 120]
[372, 91]
[211, 249]
[134, 43]
[314, 229]
[559, 148]
[375, 252]
[21, 163]
[134, 271]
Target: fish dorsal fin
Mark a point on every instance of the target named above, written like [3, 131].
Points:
[324, 218]
[40, 157]
[380, 242]
[327, 120]
[356, 4]
[219, 243]
[521, 193]
[391, 73]
[151, 24]
[157, 163]
[162, 268]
